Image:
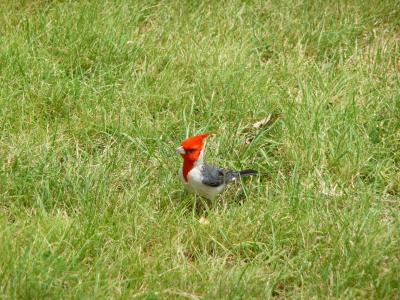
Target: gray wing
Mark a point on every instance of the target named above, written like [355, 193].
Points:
[213, 176]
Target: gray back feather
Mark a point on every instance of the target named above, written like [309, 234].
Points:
[214, 176]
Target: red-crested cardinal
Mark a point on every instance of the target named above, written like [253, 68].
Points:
[202, 179]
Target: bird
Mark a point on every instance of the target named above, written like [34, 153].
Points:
[200, 178]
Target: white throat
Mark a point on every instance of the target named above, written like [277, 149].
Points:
[200, 161]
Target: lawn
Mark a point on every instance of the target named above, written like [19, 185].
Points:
[96, 95]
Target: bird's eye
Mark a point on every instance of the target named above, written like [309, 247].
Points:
[189, 150]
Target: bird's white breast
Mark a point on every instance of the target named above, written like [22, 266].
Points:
[195, 184]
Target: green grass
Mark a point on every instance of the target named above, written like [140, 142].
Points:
[96, 95]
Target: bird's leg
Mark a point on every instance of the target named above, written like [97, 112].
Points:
[194, 207]
[205, 206]
[204, 211]
[200, 208]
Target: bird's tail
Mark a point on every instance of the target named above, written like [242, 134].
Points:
[247, 172]
[233, 175]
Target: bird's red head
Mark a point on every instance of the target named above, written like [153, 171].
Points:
[190, 150]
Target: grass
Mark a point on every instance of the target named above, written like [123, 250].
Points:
[96, 95]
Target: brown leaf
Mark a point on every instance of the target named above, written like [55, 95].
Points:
[248, 140]
[204, 221]
[271, 118]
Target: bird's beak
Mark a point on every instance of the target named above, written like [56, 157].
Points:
[180, 150]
